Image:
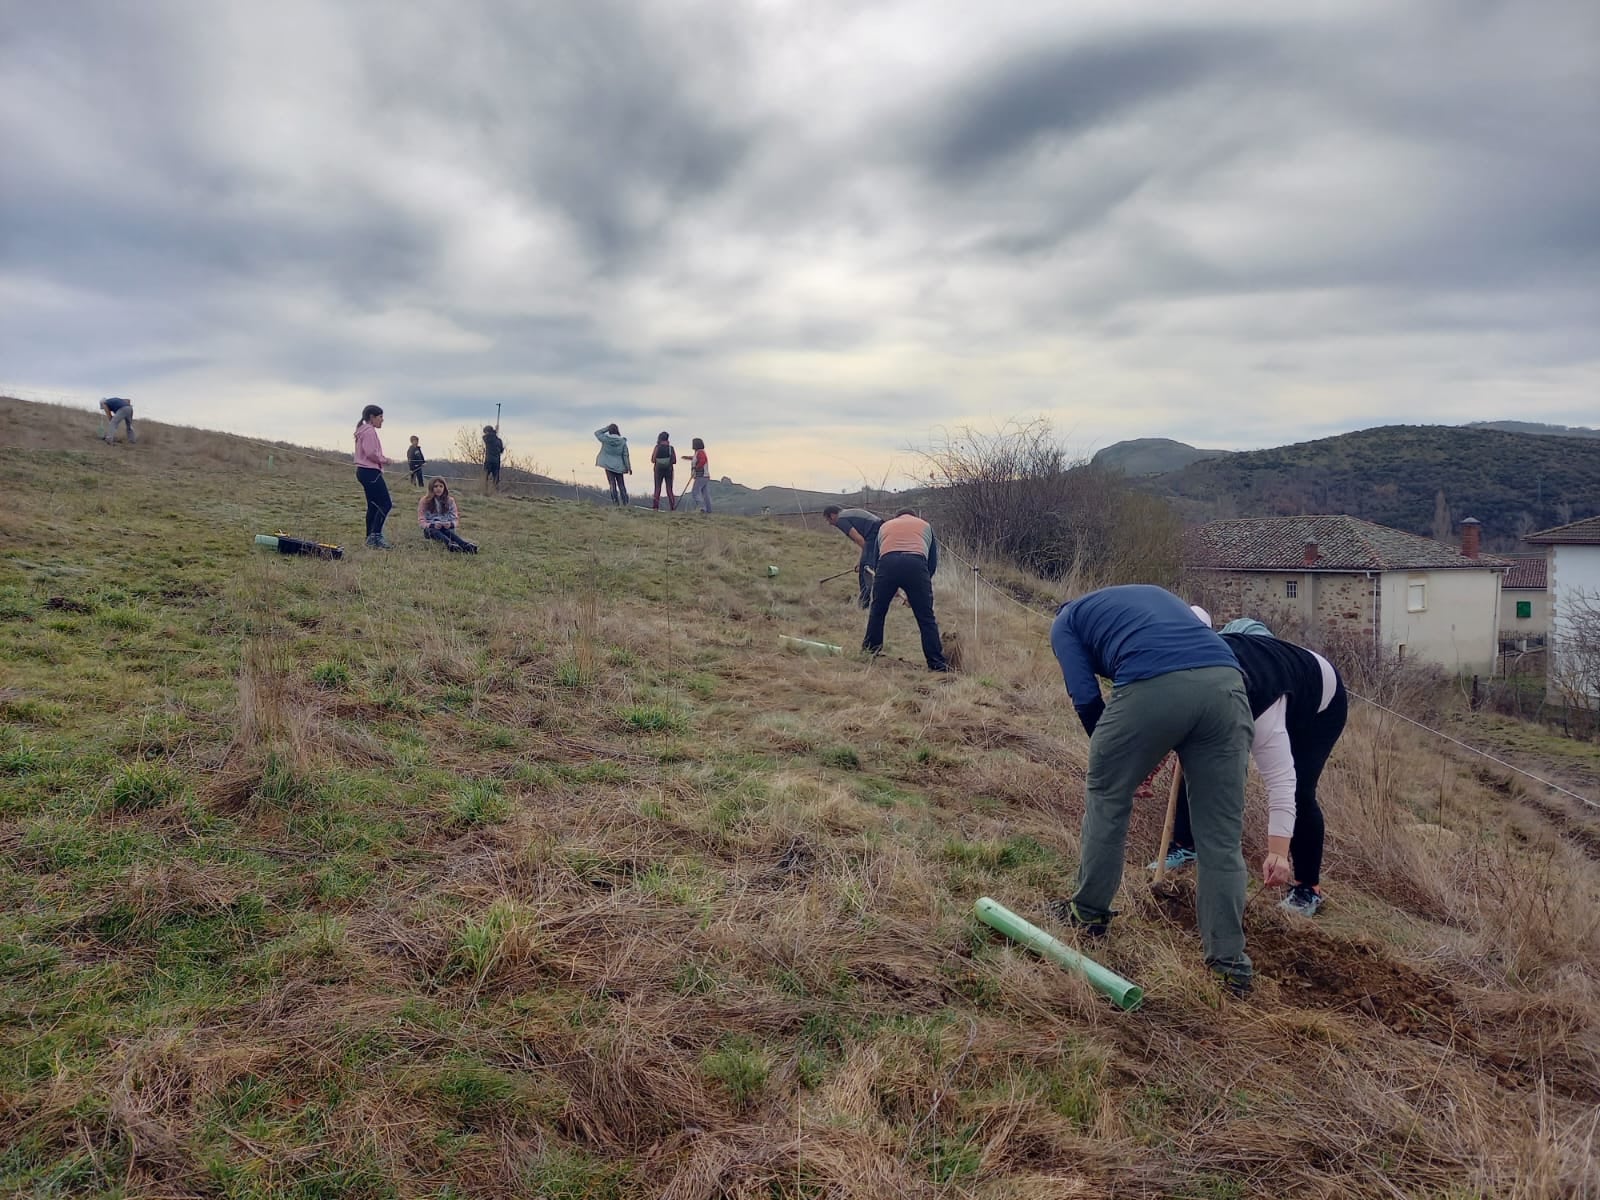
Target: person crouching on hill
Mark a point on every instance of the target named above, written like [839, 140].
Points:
[370, 461]
[1299, 704]
[908, 556]
[438, 516]
[613, 459]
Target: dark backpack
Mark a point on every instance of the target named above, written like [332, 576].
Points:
[665, 455]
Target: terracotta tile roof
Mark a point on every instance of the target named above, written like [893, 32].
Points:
[1527, 571]
[1579, 533]
[1344, 543]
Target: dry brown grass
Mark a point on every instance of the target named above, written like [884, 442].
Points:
[562, 877]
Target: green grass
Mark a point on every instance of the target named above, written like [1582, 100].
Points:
[374, 878]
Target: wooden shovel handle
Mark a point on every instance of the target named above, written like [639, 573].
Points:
[1172, 818]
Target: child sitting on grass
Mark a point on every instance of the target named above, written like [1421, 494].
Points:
[437, 514]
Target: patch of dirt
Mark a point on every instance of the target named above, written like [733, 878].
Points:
[1518, 1044]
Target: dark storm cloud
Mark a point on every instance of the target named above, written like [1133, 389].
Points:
[1059, 92]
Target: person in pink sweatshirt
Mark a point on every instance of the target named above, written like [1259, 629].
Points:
[370, 462]
[439, 517]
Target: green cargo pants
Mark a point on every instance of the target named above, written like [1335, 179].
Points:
[1203, 715]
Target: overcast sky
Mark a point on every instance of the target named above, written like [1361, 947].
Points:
[811, 233]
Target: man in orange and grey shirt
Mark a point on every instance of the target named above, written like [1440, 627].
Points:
[908, 556]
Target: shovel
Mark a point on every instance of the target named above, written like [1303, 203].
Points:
[1159, 884]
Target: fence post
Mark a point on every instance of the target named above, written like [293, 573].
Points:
[1475, 700]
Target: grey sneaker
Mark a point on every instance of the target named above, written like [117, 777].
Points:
[1303, 900]
[1178, 857]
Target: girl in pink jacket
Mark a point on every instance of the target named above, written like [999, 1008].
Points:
[370, 462]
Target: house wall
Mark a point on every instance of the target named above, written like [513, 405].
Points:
[1326, 604]
[1513, 626]
[1459, 629]
[1574, 588]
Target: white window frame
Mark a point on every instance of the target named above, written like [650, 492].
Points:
[1291, 589]
[1416, 595]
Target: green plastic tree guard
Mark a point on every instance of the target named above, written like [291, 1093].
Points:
[808, 644]
[1125, 995]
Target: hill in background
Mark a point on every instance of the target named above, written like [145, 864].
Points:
[1538, 427]
[549, 872]
[1151, 456]
[1513, 482]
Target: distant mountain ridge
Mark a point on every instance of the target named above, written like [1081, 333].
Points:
[1537, 427]
[1151, 456]
[1514, 482]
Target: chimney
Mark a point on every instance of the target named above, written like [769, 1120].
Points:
[1312, 553]
[1471, 532]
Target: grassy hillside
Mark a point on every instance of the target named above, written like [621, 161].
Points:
[1512, 482]
[549, 873]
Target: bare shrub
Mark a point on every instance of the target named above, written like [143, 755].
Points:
[1016, 494]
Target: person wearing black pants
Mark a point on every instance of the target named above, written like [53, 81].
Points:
[861, 527]
[908, 556]
[370, 461]
[1300, 706]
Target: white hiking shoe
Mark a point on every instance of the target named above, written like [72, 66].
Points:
[1302, 900]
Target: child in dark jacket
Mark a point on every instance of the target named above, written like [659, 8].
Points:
[414, 460]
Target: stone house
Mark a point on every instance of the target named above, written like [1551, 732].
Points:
[1525, 599]
[1338, 579]
[1574, 580]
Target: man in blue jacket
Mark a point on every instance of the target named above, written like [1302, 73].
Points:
[1175, 686]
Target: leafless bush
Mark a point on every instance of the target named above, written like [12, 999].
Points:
[1016, 494]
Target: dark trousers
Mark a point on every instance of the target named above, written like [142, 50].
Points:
[491, 474]
[618, 485]
[906, 573]
[664, 476]
[1310, 743]
[378, 502]
[416, 476]
[452, 540]
[864, 573]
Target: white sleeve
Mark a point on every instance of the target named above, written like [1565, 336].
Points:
[1275, 761]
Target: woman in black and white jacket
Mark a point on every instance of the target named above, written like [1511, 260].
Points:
[1299, 704]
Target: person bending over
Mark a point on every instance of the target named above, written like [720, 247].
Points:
[439, 518]
[118, 411]
[908, 557]
[1300, 705]
[1175, 686]
[861, 527]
